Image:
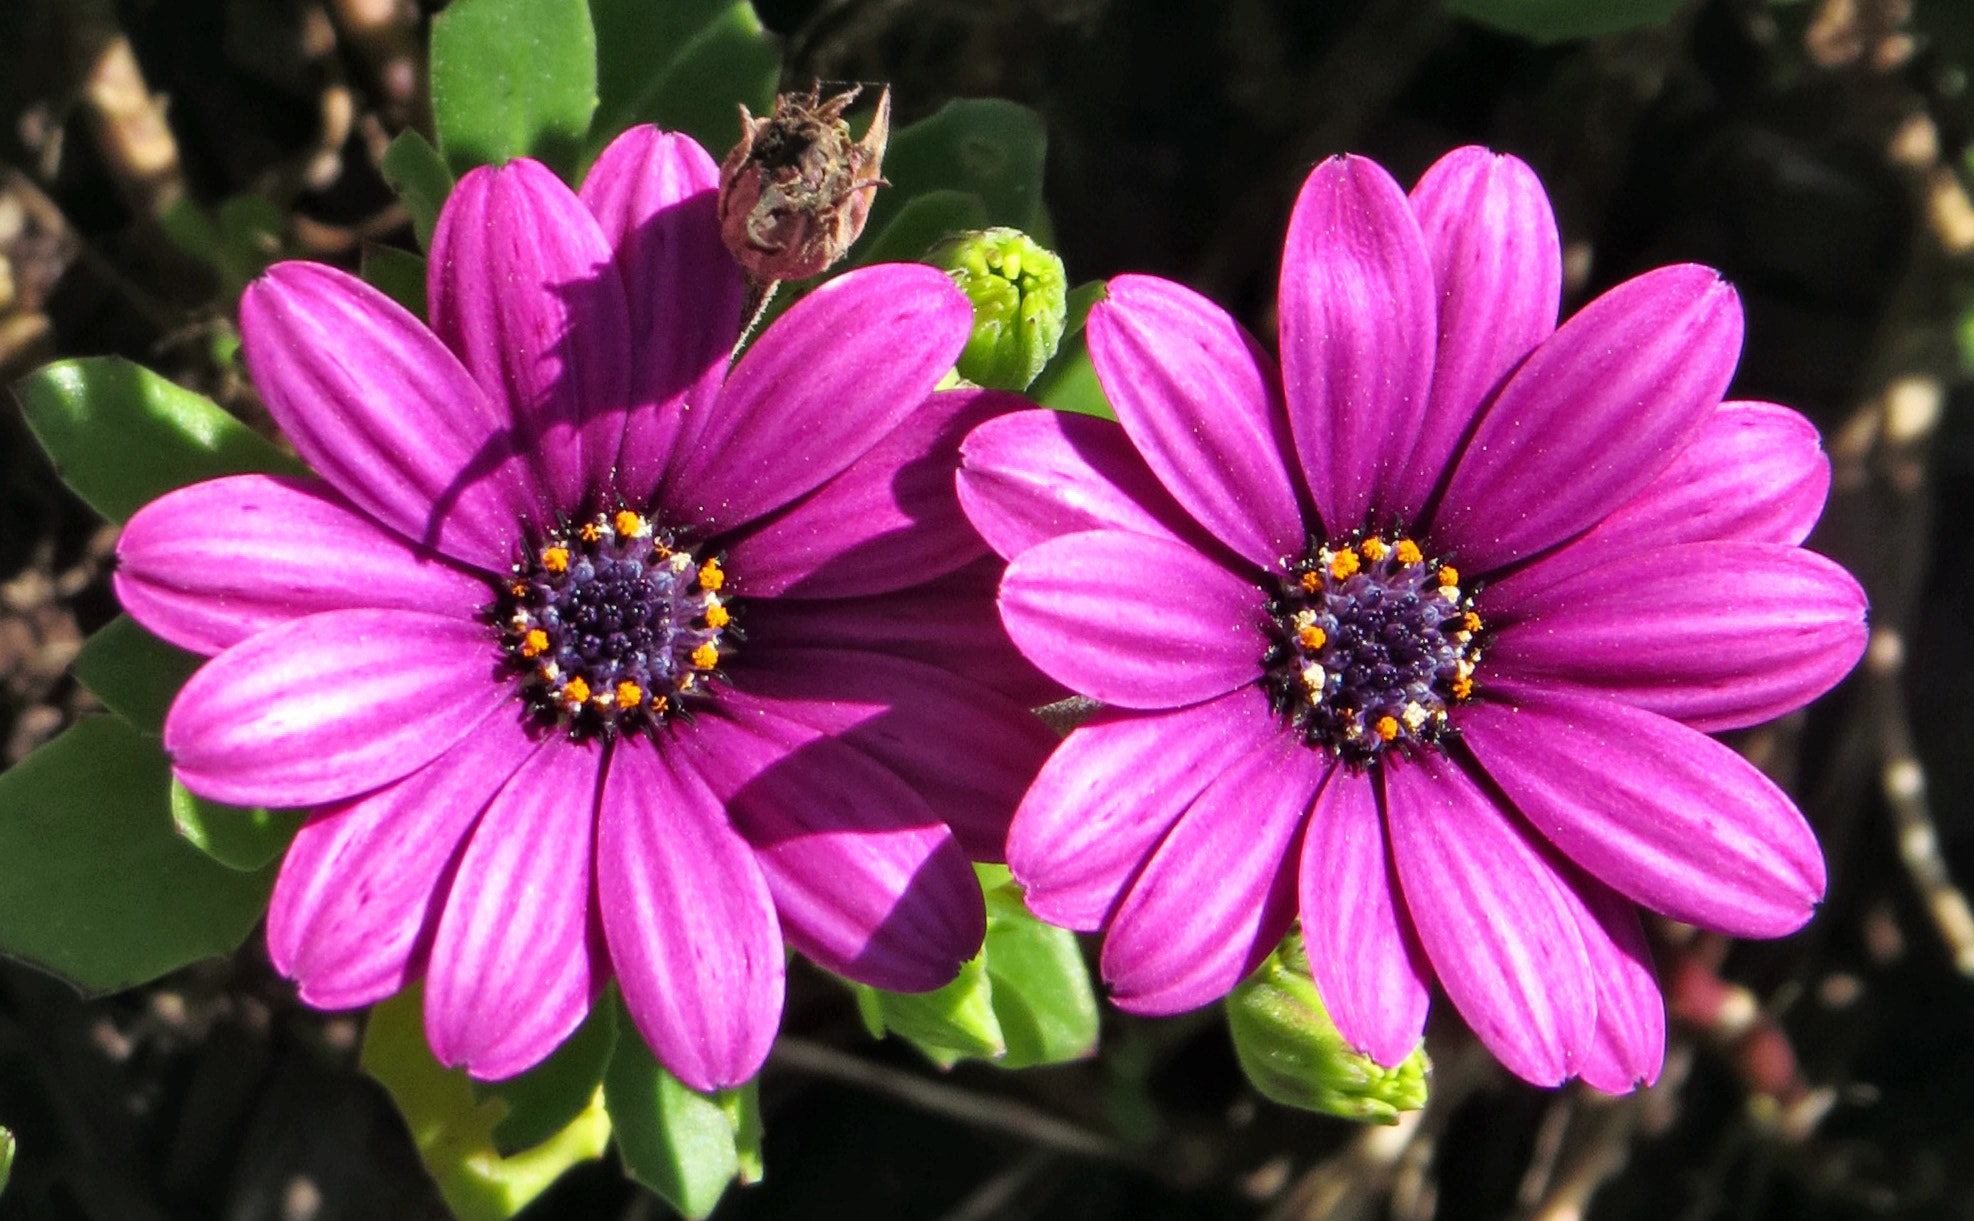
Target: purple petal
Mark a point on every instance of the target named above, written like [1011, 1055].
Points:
[1112, 791]
[1717, 635]
[908, 716]
[830, 379]
[1754, 472]
[1032, 476]
[1493, 919]
[329, 706]
[1665, 816]
[1368, 967]
[951, 622]
[868, 882]
[515, 962]
[1358, 324]
[523, 287]
[655, 195]
[691, 927]
[1219, 893]
[209, 565]
[1497, 267]
[362, 885]
[387, 414]
[1133, 620]
[1202, 402]
[1629, 1047]
[889, 521]
[1595, 413]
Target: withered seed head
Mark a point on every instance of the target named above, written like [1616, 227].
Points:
[796, 191]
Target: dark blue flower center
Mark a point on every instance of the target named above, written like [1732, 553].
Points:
[611, 626]
[1373, 641]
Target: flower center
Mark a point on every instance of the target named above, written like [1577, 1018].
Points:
[1373, 642]
[611, 625]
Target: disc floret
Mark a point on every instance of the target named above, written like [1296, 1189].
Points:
[1372, 642]
[611, 625]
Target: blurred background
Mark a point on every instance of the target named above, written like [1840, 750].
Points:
[1813, 150]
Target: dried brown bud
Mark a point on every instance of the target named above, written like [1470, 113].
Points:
[796, 190]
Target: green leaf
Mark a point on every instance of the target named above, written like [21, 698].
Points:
[513, 78]
[135, 674]
[992, 148]
[949, 1024]
[679, 1143]
[920, 225]
[684, 65]
[400, 274]
[549, 1096]
[1561, 20]
[245, 840]
[6, 1157]
[1069, 383]
[453, 1130]
[419, 175]
[94, 884]
[121, 436]
[1042, 995]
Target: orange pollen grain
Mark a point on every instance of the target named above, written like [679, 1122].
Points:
[1463, 688]
[627, 522]
[706, 656]
[717, 616]
[1449, 575]
[659, 703]
[710, 576]
[1311, 582]
[1373, 548]
[591, 532]
[1313, 637]
[1344, 563]
[535, 643]
[519, 589]
[555, 559]
[1388, 727]
[1409, 553]
[1470, 622]
[629, 695]
[575, 691]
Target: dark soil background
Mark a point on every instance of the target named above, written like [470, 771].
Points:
[1812, 150]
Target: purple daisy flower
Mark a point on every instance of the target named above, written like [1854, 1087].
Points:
[594, 659]
[1420, 632]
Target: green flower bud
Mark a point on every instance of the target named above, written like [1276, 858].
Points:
[1020, 301]
[1291, 1051]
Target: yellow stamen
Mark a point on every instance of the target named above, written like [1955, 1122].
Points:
[1449, 575]
[717, 616]
[1313, 637]
[706, 656]
[535, 643]
[1311, 582]
[575, 692]
[628, 523]
[1374, 549]
[1344, 563]
[1387, 727]
[555, 559]
[710, 576]
[629, 695]
[1409, 553]
[519, 589]
[1463, 688]
[659, 703]
[1470, 622]
[591, 532]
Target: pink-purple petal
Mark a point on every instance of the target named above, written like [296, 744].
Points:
[1219, 893]
[1363, 954]
[967, 749]
[1111, 792]
[689, 921]
[655, 193]
[1592, 416]
[1202, 402]
[1660, 813]
[1133, 620]
[209, 565]
[1717, 635]
[868, 882]
[1497, 266]
[826, 382]
[1359, 323]
[362, 885]
[330, 706]
[387, 414]
[1032, 476]
[523, 286]
[891, 520]
[1492, 918]
[516, 960]
[1629, 1047]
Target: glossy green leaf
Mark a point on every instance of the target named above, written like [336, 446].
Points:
[6, 1157]
[419, 175]
[920, 225]
[684, 65]
[1561, 20]
[237, 240]
[454, 1131]
[245, 840]
[950, 1024]
[95, 885]
[401, 275]
[679, 1143]
[121, 436]
[992, 148]
[1069, 383]
[513, 78]
[549, 1096]
[135, 674]
[1043, 999]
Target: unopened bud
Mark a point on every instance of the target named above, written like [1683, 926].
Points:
[1292, 1052]
[1020, 303]
[796, 191]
